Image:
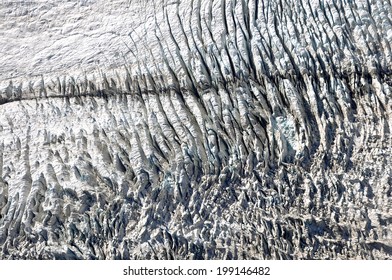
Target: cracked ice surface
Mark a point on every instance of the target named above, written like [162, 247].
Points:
[195, 129]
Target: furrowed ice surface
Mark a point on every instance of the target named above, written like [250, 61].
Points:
[197, 129]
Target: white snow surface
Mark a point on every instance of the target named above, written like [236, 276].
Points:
[55, 38]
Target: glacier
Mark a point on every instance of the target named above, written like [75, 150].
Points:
[200, 129]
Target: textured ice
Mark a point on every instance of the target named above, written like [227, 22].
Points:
[195, 129]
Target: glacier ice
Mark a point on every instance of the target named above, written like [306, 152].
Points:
[201, 129]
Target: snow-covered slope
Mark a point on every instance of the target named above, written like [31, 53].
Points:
[195, 129]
